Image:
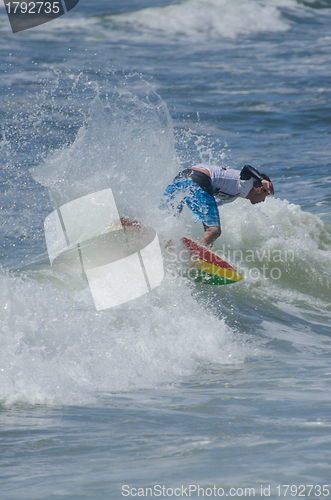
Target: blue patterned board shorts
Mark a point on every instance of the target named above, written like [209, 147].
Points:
[202, 205]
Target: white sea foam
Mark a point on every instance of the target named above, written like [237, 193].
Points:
[293, 246]
[212, 18]
[55, 348]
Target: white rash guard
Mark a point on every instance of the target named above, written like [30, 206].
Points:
[226, 183]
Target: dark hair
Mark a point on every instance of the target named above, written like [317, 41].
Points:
[257, 183]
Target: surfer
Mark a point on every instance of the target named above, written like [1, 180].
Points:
[204, 187]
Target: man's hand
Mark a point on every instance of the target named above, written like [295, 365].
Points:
[268, 186]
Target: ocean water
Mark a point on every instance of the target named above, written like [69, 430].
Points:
[190, 390]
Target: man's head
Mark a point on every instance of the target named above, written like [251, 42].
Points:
[260, 190]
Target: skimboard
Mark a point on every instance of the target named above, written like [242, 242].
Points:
[207, 267]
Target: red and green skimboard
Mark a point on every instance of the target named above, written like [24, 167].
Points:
[207, 267]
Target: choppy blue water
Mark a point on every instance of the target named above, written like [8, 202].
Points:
[189, 386]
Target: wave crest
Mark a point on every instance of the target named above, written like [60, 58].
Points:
[212, 18]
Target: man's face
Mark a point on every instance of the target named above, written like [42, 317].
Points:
[259, 195]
